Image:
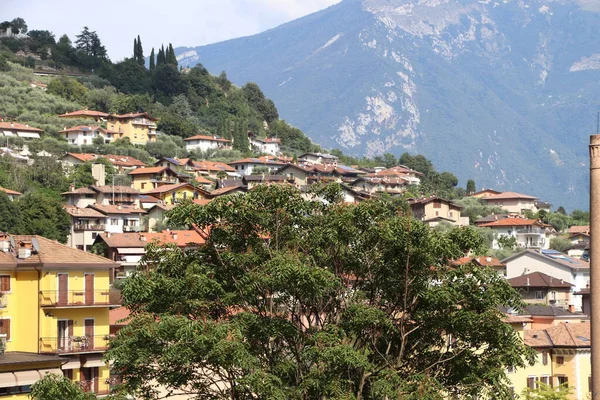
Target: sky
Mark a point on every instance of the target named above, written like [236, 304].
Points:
[180, 22]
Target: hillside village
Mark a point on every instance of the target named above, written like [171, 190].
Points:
[123, 204]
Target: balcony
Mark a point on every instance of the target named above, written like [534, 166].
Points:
[76, 298]
[74, 344]
[88, 227]
[530, 231]
[92, 387]
[133, 228]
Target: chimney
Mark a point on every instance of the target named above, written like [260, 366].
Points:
[24, 250]
[174, 235]
[527, 281]
[108, 234]
[488, 259]
[571, 308]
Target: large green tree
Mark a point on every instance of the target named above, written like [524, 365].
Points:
[298, 299]
[44, 215]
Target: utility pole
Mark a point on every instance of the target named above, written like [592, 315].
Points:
[595, 261]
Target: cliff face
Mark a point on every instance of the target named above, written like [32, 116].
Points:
[504, 92]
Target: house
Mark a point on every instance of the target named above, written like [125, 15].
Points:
[172, 194]
[579, 250]
[84, 135]
[529, 233]
[586, 301]
[96, 116]
[55, 307]
[229, 190]
[512, 202]
[13, 129]
[410, 176]
[176, 164]
[149, 178]
[251, 181]
[579, 229]
[127, 249]
[371, 185]
[205, 143]
[545, 316]
[484, 193]
[156, 215]
[86, 224]
[433, 210]
[540, 288]
[121, 218]
[552, 263]
[247, 165]
[265, 145]
[213, 170]
[318, 158]
[104, 195]
[121, 163]
[12, 194]
[484, 261]
[139, 127]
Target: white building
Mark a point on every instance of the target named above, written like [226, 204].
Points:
[553, 263]
[529, 233]
[318, 158]
[82, 135]
[204, 143]
[247, 165]
[266, 145]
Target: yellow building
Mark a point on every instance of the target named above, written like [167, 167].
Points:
[55, 304]
[563, 358]
[140, 128]
[175, 193]
[145, 179]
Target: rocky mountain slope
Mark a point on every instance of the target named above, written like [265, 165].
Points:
[504, 92]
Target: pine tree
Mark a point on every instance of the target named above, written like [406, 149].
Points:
[152, 64]
[140, 51]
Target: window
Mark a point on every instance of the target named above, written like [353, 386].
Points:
[437, 213]
[510, 369]
[545, 357]
[563, 380]
[531, 382]
[68, 373]
[545, 380]
[554, 296]
[143, 186]
[114, 221]
[5, 327]
[450, 214]
[4, 283]
[94, 235]
[539, 295]
[560, 360]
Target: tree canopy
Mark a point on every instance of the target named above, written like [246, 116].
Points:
[311, 299]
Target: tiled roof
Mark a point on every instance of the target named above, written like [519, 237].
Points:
[212, 166]
[81, 156]
[83, 190]
[149, 170]
[570, 335]
[84, 113]
[115, 189]
[208, 138]
[168, 188]
[537, 280]
[148, 199]
[114, 209]
[225, 190]
[202, 202]
[579, 229]
[516, 319]
[553, 256]
[547, 311]
[537, 338]
[9, 191]
[114, 159]
[509, 196]
[202, 180]
[162, 206]
[397, 170]
[118, 316]
[513, 222]
[481, 260]
[181, 238]
[18, 127]
[83, 212]
[264, 178]
[82, 128]
[427, 200]
[260, 160]
[267, 140]
[491, 218]
[51, 254]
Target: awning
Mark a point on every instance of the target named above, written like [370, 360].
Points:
[8, 133]
[232, 173]
[27, 377]
[30, 135]
[134, 250]
[94, 360]
[55, 371]
[73, 363]
[7, 379]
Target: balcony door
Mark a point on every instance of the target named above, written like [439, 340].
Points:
[89, 379]
[64, 335]
[63, 289]
[89, 289]
[89, 333]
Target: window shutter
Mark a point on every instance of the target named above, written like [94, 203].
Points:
[70, 327]
[5, 327]
[5, 283]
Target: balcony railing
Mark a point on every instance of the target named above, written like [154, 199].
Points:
[74, 344]
[76, 298]
[132, 228]
[530, 231]
[88, 227]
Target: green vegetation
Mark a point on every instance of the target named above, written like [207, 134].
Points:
[338, 303]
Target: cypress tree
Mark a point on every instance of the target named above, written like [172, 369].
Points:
[171, 59]
[152, 64]
[161, 59]
[140, 51]
[135, 49]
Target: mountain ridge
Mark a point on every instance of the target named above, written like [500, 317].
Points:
[502, 92]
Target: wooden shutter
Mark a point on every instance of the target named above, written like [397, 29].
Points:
[70, 327]
[5, 327]
[4, 283]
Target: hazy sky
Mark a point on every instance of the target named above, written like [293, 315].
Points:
[181, 22]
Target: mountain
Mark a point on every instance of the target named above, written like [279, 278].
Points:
[504, 92]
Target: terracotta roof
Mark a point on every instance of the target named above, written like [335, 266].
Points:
[148, 199]
[513, 222]
[481, 260]
[18, 127]
[167, 188]
[516, 319]
[537, 338]
[115, 189]
[162, 206]
[485, 191]
[202, 202]
[149, 170]
[570, 335]
[123, 161]
[9, 191]
[260, 160]
[264, 178]
[212, 166]
[509, 195]
[115, 209]
[83, 190]
[225, 190]
[118, 316]
[81, 156]
[133, 115]
[208, 138]
[82, 128]
[538, 279]
[51, 254]
[83, 212]
[427, 200]
[397, 170]
[84, 113]
[181, 238]
[202, 180]
[579, 229]
[267, 140]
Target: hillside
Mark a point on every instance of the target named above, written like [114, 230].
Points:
[499, 91]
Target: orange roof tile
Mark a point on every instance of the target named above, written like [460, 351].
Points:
[168, 188]
[579, 229]
[18, 127]
[481, 260]
[509, 195]
[117, 209]
[133, 115]
[84, 113]
[208, 138]
[212, 166]
[181, 238]
[119, 316]
[203, 180]
[202, 202]
[9, 191]
[149, 170]
[513, 222]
